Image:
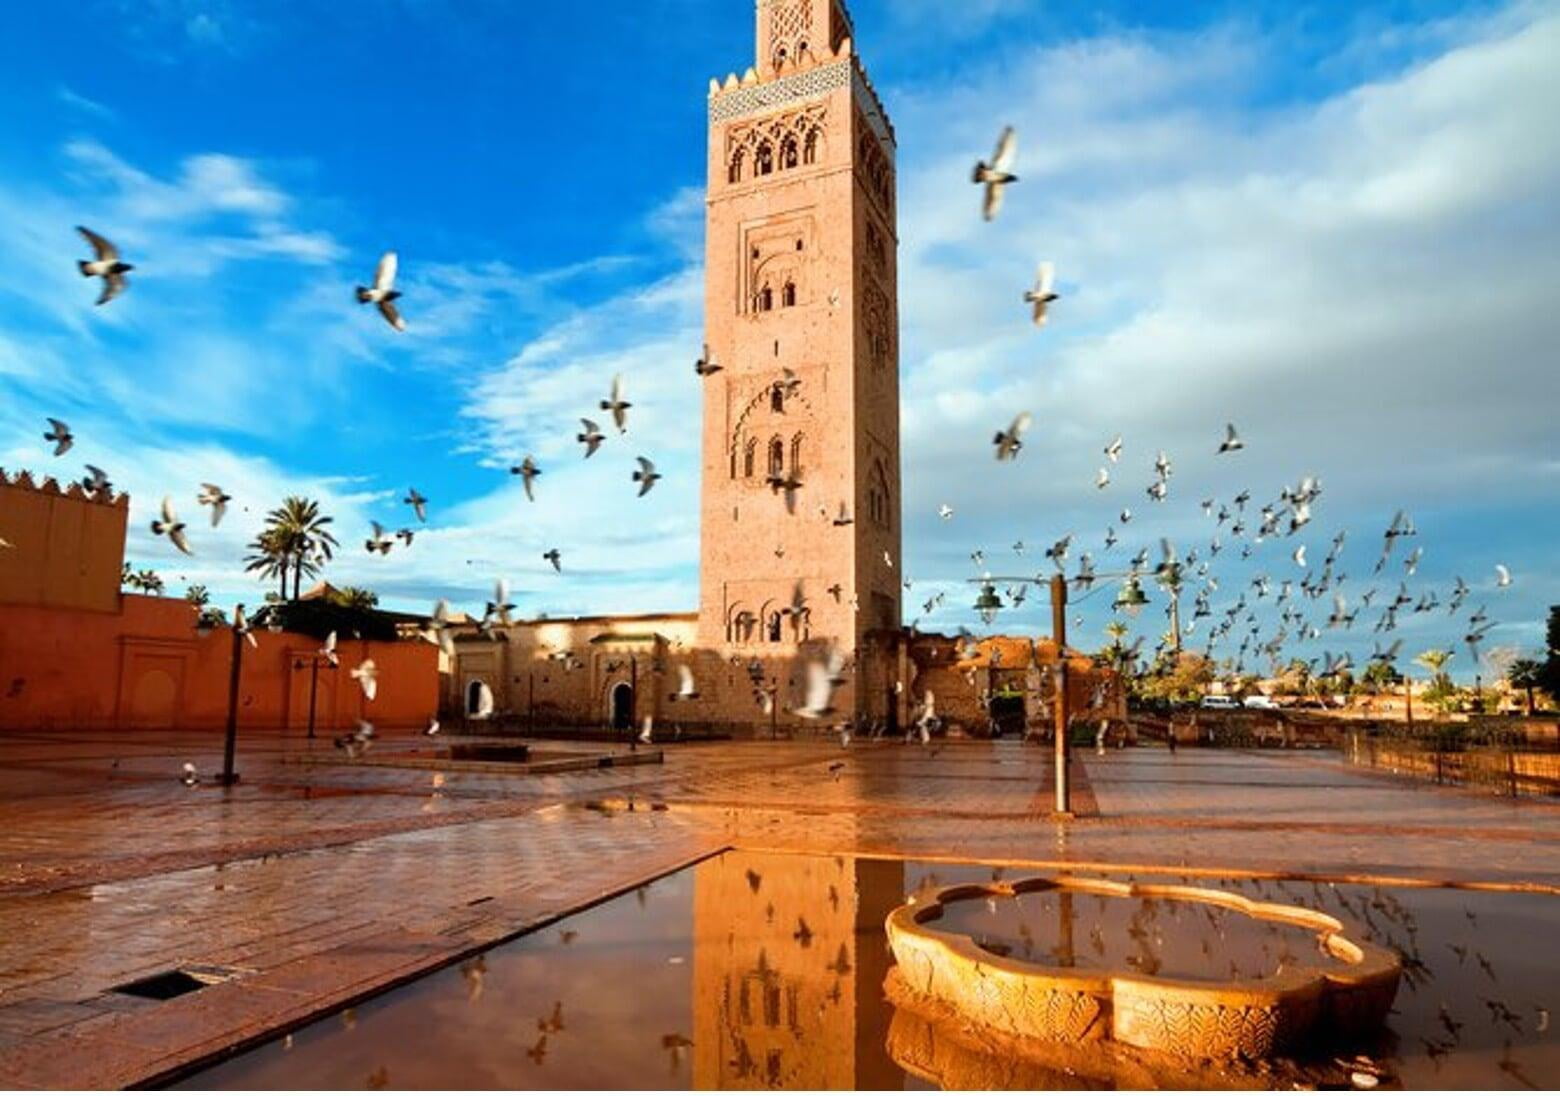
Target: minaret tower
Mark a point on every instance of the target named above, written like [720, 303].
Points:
[801, 478]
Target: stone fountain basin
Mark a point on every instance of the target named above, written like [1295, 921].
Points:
[1255, 1018]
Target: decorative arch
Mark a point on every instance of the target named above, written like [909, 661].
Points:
[776, 456]
[796, 454]
[735, 165]
[748, 453]
[764, 159]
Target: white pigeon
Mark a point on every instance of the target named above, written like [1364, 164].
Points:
[328, 651]
[171, 527]
[1010, 441]
[1102, 480]
[383, 293]
[1502, 576]
[107, 265]
[1231, 440]
[823, 677]
[189, 778]
[997, 174]
[484, 707]
[1113, 450]
[433, 726]
[685, 684]
[367, 675]
[646, 728]
[945, 511]
[1299, 556]
[1041, 296]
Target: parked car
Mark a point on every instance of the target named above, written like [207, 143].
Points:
[1257, 700]
[1219, 703]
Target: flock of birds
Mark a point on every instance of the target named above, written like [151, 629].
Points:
[1286, 516]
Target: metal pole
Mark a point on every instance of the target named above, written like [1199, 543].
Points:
[229, 777]
[314, 685]
[530, 703]
[633, 694]
[1175, 618]
[1059, 636]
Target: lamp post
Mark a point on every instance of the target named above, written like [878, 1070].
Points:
[314, 683]
[988, 603]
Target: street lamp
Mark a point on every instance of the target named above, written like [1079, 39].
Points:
[988, 603]
[1131, 598]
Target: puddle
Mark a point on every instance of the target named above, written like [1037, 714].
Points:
[767, 971]
[1168, 938]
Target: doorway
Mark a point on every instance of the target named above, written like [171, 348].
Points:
[622, 706]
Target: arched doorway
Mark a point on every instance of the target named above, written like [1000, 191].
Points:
[476, 702]
[1007, 713]
[622, 706]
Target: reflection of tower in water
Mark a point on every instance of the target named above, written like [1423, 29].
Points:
[788, 971]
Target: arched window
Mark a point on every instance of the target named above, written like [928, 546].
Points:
[774, 627]
[788, 153]
[764, 161]
[734, 169]
[733, 462]
[810, 147]
[796, 455]
[776, 457]
[788, 295]
[777, 399]
[747, 457]
[766, 299]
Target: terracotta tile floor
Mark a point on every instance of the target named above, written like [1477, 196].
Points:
[317, 884]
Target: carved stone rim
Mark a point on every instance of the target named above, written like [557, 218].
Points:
[1252, 1016]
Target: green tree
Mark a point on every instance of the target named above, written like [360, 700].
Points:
[1551, 677]
[268, 556]
[354, 597]
[197, 595]
[298, 535]
[149, 581]
[1526, 674]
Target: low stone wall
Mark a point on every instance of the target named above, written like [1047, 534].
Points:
[1497, 769]
[1253, 1018]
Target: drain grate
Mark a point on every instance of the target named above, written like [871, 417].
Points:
[169, 984]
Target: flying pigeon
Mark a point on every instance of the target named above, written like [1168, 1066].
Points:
[1502, 576]
[645, 475]
[647, 726]
[617, 405]
[686, 689]
[945, 511]
[1042, 294]
[96, 481]
[107, 266]
[171, 527]
[379, 542]
[555, 557]
[528, 471]
[189, 777]
[500, 607]
[1102, 480]
[418, 504]
[61, 436]
[383, 292]
[824, 675]
[1113, 450]
[328, 650]
[997, 174]
[1009, 441]
[213, 496]
[704, 366]
[1231, 440]
[367, 675]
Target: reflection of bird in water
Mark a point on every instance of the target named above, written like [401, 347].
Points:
[1485, 965]
[1500, 1014]
[1452, 1026]
[1543, 1018]
[803, 934]
[834, 898]
[539, 1051]
[640, 894]
[378, 1079]
[349, 1018]
[841, 964]
[769, 914]
[675, 1044]
[1472, 920]
[1459, 951]
[568, 936]
[754, 880]
[1435, 1050]
[472, 971]
[553, 1024]
[1508, 1065]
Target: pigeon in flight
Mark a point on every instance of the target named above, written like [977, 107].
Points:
[383, 292]
[555, 557]
[1231, 440]
[1010, 441]
[617, 405]
[1041, 296]
[59, 433]
[418, 504]
[1113, 450]
[380, 541]
[686, 689]
[945, 511]
[405, 536]
[213, 496]
[1102, 480]
[328, 650]
[1502, 576]
[704, 366]
[107, 265]
[367, 675]
[500, 607]
[824, 675]
[645, 475]
[189, 777]
[1157, 490]
[171, 527]
[1126, 516]
[96, 481]
[528, 471]
[591, 437]
[997, 174]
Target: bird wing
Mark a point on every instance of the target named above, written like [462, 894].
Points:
[167, 510]
[646, 468]
[1020, 424]
[179, 541]
[820, 689]
[993, 201]
[1007, 145]
[685, 680]
[105, 251]
[501, 593]
[1502, 575]
[591, 429]
[392, 315]
[1045, 277]
[617, 388]
[384, 273]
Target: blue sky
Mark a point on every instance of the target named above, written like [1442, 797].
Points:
[1333, 224]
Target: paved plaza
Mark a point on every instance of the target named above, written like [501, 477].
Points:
[314, 881]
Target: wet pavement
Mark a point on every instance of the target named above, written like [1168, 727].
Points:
[310, 886]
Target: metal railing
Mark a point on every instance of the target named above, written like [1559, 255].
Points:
[1489, 759]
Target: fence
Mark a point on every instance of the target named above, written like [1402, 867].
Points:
[1495, 763]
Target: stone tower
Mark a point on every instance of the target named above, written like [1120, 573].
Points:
[801, 423]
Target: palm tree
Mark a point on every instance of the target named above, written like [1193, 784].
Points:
[149, 581]
[355, 597]
[1526, 674]
[197, 595]
[1435, 661]
[268, 555]
[300, 525]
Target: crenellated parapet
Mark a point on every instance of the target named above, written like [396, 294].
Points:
[809, 74]
[48, 485]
